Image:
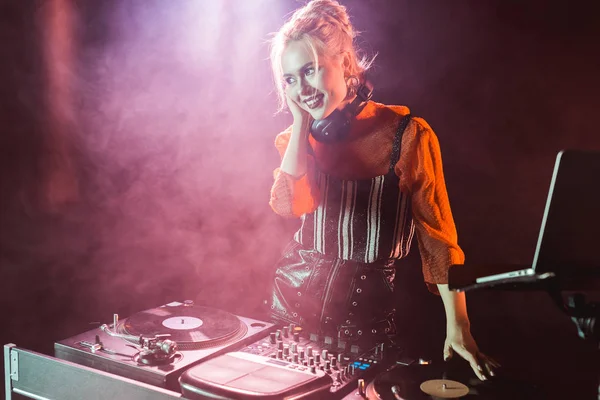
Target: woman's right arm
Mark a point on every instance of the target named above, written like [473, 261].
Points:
[294, 191]
[295, 158]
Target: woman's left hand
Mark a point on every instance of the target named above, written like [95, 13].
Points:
[459, 340]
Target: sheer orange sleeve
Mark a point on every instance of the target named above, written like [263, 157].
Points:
[421, 174]
[293, 196]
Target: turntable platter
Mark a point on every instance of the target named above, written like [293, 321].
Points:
[190, 326]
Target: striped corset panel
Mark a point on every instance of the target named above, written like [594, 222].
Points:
[359, 220]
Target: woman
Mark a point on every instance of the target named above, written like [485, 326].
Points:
[360, 198]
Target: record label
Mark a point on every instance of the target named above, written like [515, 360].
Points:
[444, 388]
[182, 323]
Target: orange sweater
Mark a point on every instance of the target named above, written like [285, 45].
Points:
[367, 153]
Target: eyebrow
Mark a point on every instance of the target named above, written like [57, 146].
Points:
[308, 64]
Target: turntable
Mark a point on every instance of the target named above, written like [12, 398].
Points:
[155, 346]
[454, 379]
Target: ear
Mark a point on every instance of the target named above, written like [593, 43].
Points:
[346, 63]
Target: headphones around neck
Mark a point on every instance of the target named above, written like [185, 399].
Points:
[336, 126]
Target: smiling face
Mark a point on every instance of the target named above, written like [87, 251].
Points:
[317, 86]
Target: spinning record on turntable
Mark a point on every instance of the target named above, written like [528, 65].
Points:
[191, 327]
[445, 380]
[155, 346]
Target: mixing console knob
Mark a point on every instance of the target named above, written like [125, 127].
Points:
[313, 369]
[295, 358]
[294, 347]
[285, 331]
[292, 326]
[327, 366]
[309, 351]
[340, 358]
[280, 354]
[351, 371]
[361, 387]
[296, 336]
[278, 333]
[286, 350]
[317, 358]
[273, 337]
[302, 354]
[336, 377]
[280, 345]
[311, 361]
[324, 354]
[333, 362]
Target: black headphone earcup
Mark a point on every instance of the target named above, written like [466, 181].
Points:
[331, 129]
[336, 126]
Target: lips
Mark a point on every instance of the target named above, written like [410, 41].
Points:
[315, 101]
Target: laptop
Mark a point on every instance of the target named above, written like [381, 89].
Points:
[568, 244]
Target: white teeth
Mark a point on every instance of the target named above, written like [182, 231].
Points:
[314, 101]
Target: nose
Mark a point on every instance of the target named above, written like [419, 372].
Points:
[306, 89]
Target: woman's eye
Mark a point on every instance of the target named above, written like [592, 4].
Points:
[309, 71]
[289, 80]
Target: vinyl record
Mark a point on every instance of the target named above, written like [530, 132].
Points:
[445, 380]
[191, 327]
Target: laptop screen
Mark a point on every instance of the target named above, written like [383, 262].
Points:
[569, 240]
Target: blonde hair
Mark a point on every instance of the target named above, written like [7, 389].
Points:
[324, 27]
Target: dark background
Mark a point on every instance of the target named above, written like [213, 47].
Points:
[136, 157]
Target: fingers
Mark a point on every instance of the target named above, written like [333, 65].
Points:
[482, 365]
[492, 362]
[476, 363]
[489, 364]
[485, 366]
[477, 366]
